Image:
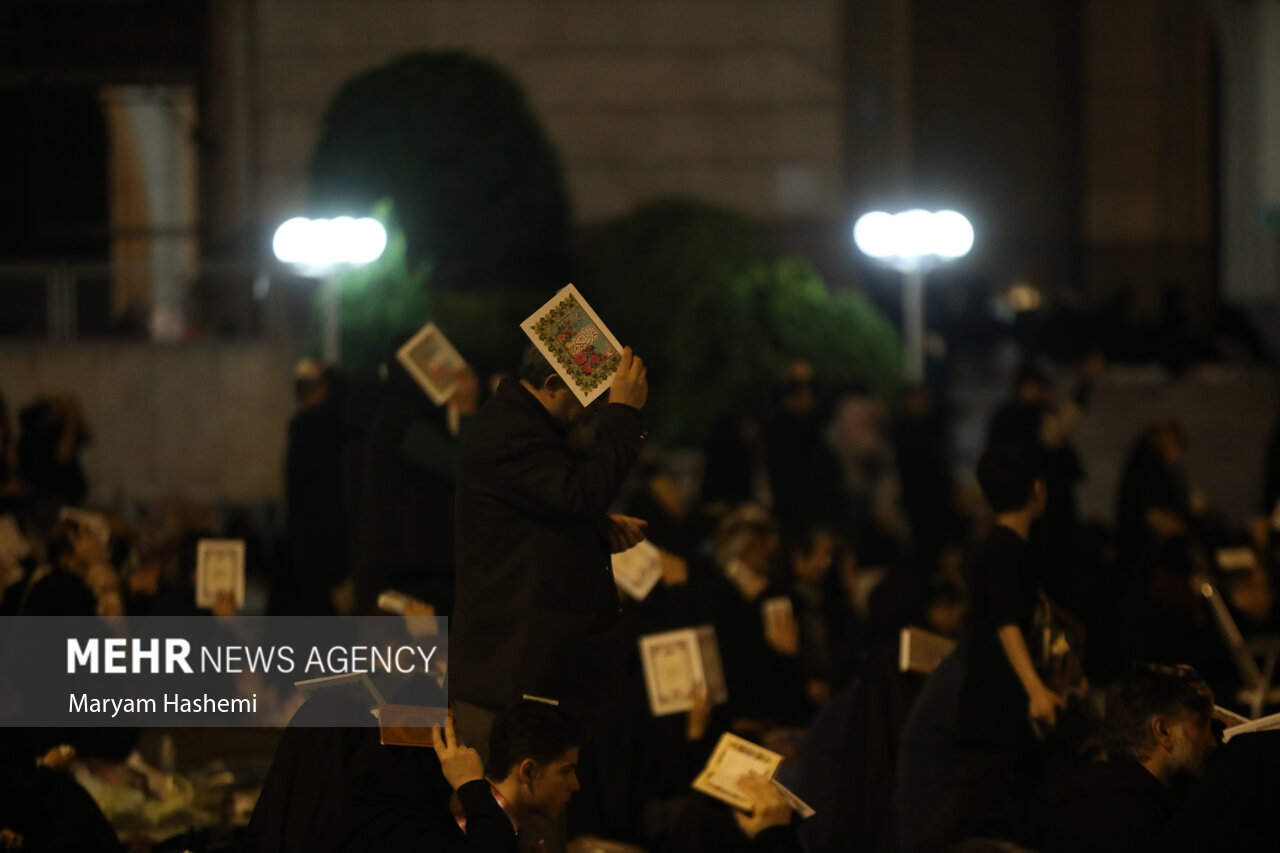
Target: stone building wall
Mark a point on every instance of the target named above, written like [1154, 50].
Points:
[734, 101]
[204, 420]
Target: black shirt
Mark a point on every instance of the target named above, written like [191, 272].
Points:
[1004, 589]
[1115, 805]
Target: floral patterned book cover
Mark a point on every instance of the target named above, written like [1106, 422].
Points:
[576, 342]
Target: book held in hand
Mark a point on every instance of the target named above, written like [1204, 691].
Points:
[677, 664]
[219, 571]
[921, 651]
[355, 685]
[732, 759]
[433, 363]
[410, 725]
[798, 805]
[576, 342]
[638, 569]
[1262, 724]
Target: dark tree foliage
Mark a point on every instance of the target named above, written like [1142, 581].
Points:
[388, 300]
[716, 310]
[476, 184]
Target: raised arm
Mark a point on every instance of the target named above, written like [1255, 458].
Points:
[546, 478]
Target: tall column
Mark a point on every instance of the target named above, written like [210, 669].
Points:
[1250, 128]
[154, 197]
[228, 167]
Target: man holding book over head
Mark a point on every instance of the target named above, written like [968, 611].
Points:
[536, 611]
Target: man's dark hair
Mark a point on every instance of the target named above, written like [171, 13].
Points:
[534, 367]
[1137, 699]
[530, 729]
[1007, 474]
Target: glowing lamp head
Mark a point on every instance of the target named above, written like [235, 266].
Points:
[952, 233]
[874, 234]
[914, 233]
[911, 236]
[290, 243]
[328, 242]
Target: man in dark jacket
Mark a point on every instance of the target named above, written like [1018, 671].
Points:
[1159, 726]
[536, 611]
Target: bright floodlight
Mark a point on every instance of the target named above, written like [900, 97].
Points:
[326, 242]
[953, 233]
[913, 234]
[874, 234]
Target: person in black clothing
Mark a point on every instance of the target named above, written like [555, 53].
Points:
[536, 609]
[1033, 419]
[822, 614]
[1002, 688]
[991, 677]
[42, 806]
[1154, 503]
[1160, 737]
[406, 512]
[399, 797]
[919, 439]
[1158, 613]
[661, 502]
[315, 524]
[804, 474]
[303, 797]
[1232, 807]
[53, 433]
[761, 657]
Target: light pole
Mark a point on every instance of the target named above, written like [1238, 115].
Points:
[320, 248]
[913, 242]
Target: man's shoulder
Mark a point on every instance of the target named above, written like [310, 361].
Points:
[1120, 783]
[510, 409]
[1115, 804]
[504, 425]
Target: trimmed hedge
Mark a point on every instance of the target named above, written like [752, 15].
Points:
[716, 310]
[477, 185]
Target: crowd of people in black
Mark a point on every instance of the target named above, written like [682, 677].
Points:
[1077, 711]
